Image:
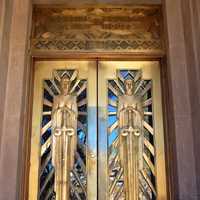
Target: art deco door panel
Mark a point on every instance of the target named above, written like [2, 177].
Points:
[81, 105]
[131, 166]
[47, 88]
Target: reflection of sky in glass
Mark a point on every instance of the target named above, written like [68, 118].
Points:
[112, 96]
[112, 137]
[112, 119]
[111, 108]
[123, 73]
[81, 136]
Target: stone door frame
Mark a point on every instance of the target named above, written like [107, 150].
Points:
[16, 86]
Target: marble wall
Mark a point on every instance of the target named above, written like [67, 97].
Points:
[191, 23]
[181, 140]
[13, 76]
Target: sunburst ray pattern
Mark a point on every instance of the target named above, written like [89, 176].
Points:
[147, 176]
[78, 177]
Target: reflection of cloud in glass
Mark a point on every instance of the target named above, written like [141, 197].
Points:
[112, 137]
[81, 136]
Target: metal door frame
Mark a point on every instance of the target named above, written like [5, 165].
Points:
[44, 70]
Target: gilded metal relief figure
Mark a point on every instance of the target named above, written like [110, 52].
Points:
[64, 139]
[130, 139]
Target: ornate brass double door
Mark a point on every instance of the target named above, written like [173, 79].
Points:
[97, 131]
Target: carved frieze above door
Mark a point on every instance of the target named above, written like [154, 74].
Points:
[96, 29]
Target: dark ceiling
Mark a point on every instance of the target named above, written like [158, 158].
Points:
[81, 2]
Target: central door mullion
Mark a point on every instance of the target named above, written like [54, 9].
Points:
[102, 135]
[91, 147]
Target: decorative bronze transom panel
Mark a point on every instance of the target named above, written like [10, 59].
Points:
[110, 29]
